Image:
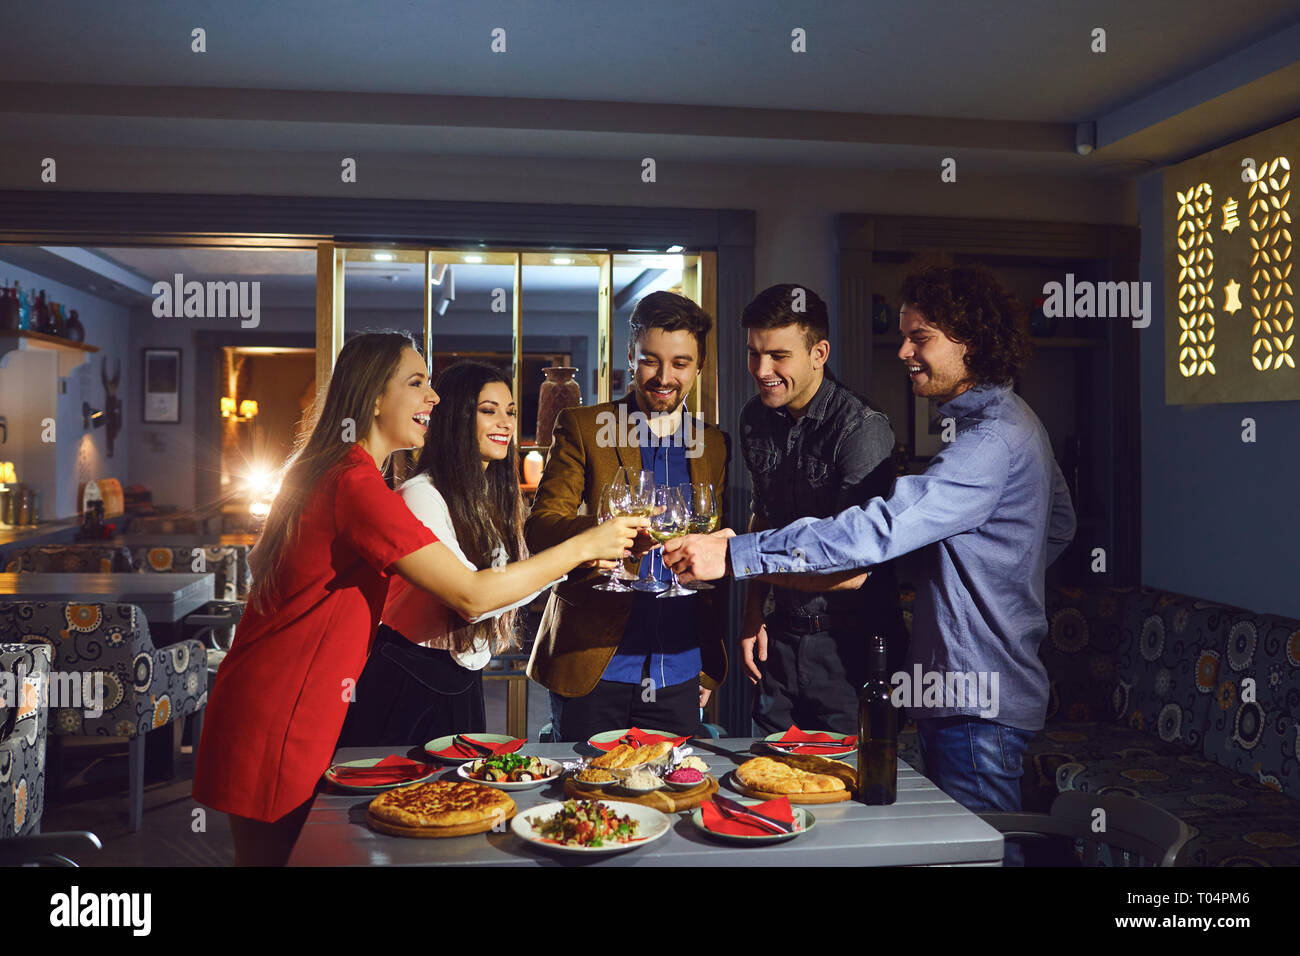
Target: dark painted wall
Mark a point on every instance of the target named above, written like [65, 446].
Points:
[1220, 517]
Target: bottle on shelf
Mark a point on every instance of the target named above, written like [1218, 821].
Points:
[24, 310]
[9, 307]
[41, 321]
[877, 731]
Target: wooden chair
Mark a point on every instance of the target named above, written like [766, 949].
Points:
[1133, 832]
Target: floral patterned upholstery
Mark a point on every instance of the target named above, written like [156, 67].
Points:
[228, 564]
[166, 524]
[24, 674]
[69, 558]
[144, 687]
[1187, 704]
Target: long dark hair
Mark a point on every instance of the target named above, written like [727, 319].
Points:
[486, 508]
[345, 415]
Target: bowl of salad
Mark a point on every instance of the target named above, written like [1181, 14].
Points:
[590, 826]
[511, 771]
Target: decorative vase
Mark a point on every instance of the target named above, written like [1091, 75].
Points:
[75, 331]
[558, 392]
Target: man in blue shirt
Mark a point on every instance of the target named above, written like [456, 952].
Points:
[612, 660]
[989, 514]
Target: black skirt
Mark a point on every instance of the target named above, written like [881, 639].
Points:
[408, 694]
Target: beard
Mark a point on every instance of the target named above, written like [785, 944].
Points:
[653, 403]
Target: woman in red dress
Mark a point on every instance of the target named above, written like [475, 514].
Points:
[334, 536]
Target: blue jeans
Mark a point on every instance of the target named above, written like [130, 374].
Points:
[978, 763]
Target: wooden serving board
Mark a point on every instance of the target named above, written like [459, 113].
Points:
[666, 801]
[831, 796]
[463, 829]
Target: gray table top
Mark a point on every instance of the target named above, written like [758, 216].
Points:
[924, 827]
[164, 598]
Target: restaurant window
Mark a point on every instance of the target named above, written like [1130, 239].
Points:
[521, 311]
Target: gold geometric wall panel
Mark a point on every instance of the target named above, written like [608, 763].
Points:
[1230, 298]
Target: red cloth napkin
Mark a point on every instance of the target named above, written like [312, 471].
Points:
[456, 753]
[818, 742]
[776, 809]
[402, 770]
[642, 738]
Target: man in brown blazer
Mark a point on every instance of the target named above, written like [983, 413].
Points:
[614, 660]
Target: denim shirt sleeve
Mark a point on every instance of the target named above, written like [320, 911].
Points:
[1062, 527]
[957, 492]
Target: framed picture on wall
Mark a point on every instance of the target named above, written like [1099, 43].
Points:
[161, 372]
[925, 427]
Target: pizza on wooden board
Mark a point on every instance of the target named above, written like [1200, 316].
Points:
[441, 803]
[767, 775]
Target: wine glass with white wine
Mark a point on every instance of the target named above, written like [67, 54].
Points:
[672, 520]
[615, 500]
[641, 503]
[704, 519]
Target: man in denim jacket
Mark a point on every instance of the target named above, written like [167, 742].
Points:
[813, 448]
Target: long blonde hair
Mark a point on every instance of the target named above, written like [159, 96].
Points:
[361, 374]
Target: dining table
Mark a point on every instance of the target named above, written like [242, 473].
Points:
[165, 599]
[923, 827]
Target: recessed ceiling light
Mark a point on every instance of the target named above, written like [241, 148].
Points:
[474, 259]
[383, 257]
[562, 261]
[676, 248]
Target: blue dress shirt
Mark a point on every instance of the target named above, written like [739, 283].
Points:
[661, 640]
[990, 513]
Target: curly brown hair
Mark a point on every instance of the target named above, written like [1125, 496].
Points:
[970, 307]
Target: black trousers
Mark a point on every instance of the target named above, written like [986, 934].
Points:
[407, 695]
[812, 680]
[614, 705]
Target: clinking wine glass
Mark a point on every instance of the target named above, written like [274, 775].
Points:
[704, 519]
[641, 503]
[614, 503]
[673, 519]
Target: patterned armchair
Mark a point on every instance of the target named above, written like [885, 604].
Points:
[228, 564]
[166, 524]
[24, 674]
[143, 688]
[69, 558]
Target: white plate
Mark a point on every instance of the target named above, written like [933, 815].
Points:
[442, 743]
[553, 766]
[653, 825]
[838, 752]
[801, 816]
[375, 788]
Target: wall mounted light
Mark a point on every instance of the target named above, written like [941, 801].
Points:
[91, 416]
[247, 409]
[227, 406]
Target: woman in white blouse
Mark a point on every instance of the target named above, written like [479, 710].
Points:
[424, 676]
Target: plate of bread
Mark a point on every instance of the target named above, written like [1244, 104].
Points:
[800, 777]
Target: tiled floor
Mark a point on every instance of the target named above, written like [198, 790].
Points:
[177, 831]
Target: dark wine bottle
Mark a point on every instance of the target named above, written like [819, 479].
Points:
[877, 732]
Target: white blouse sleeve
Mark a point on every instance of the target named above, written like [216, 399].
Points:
[427, 504]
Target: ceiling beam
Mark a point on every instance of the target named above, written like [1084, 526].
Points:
[407, 109]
